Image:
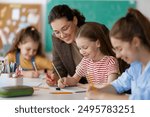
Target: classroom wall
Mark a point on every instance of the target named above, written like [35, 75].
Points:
[142, 5]
[102, 11]
[31, 7]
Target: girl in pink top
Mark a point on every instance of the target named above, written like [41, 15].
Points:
[98, 64]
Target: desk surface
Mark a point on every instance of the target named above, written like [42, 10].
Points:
[42, 92]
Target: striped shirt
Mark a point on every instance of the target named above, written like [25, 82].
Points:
[97, 72]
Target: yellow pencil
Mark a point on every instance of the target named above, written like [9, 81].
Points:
[61, 92]
[89, 77]
[56, 71]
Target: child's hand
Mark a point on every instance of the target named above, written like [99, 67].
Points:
[62, 83]
[35, 74]
[51, 80]
[18, 73]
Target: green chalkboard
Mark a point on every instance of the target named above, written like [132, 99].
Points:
[102, 11]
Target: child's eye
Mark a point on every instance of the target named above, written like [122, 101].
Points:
[117, 50]
[85, 47]
[28, 49]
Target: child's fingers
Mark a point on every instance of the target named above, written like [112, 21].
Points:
[61, 83]
[35, 74]
[64, 81]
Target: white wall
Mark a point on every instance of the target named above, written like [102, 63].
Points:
[144, 7]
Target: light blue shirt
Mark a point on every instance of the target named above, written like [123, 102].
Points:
[136, 80]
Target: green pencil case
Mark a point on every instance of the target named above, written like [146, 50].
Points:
[16, 91]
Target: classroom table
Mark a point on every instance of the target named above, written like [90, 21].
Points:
[41, 91]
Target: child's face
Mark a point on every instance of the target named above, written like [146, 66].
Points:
[124, 50]
[88, 48]
[28, 49]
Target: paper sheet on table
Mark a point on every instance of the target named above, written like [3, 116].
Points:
[26, 81]
[74, 89]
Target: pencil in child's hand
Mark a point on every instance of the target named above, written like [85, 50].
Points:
[35, 68]
[91, 84]
[89, 77]
[56, 71]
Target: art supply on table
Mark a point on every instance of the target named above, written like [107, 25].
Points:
[80, 91]
[15, 91]
[89, 77]
[58, 76]
[57, 88]
[74, 89]
[61, 92]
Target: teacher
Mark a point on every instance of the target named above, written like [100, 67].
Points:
[64, 22]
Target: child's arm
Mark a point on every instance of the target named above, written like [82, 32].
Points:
[112, 77]
[68, 81]
[106, 93]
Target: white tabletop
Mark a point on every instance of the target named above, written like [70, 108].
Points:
[41, 92]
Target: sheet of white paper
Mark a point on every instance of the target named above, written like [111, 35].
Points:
[74, 89]
[70, 89]
[26, 81]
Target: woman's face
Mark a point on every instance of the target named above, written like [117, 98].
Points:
[64, 30]
[125, 50]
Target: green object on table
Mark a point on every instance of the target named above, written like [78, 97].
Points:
[16, 91]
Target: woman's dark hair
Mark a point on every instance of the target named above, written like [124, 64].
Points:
[61, 11]
[95, 31]
[134, 24]
[21, 37]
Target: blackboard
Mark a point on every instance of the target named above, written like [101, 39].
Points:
[102, 11]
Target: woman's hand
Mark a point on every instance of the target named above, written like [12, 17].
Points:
[51, 79]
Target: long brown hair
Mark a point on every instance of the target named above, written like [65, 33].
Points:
[134, 24]
[95, 31]
[32, 32]
[63, 10]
